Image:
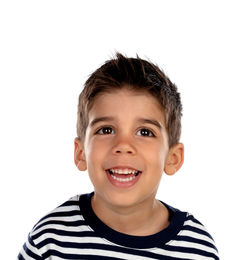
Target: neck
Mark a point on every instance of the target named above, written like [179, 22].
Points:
[146, 218]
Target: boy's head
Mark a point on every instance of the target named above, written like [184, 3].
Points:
[129, 124]
[137, 75]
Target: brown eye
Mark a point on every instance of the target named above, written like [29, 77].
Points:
[105, 131]
[146, 132]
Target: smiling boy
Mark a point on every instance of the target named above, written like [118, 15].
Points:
[129, 125]
[126, 133]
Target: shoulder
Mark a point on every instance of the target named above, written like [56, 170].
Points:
[193, 234]
[65, 221]
[192, 227]
[58, 220]
[68, 208]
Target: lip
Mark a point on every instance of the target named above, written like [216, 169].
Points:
[123, 185]
[123, 168]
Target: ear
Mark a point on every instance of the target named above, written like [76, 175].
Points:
[79, 155]
[175, 159]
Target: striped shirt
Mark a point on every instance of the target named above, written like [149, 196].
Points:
[73, 231]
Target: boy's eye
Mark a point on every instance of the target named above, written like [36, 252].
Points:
[105, 130]
[146, 132]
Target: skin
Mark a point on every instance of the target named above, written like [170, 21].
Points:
[133, 210]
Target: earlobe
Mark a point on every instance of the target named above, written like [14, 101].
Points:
[175, 159]
[79, 155]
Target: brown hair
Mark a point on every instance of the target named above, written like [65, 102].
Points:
[136, 74]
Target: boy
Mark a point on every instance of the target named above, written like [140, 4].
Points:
[128, 127]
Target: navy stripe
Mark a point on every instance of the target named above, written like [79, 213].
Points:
[69, 203]
[189, 250]
[191, 217]
[29, 252]
[62, 214]
[20, 257]
[196, 240]
[61, 222]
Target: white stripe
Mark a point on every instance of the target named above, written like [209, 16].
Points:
[74, 198]
[65, 209]
[193, 245]
[194, 224]
[54, 258]
[196, 235]
[98, 252]
[65, 219]
[71, 239]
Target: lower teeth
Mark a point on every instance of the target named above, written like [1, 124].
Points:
[122, 179]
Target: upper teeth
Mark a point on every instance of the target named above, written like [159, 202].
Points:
[123, 171]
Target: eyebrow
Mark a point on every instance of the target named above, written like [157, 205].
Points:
[140, 120]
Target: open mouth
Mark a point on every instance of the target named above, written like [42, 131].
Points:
[123, 177]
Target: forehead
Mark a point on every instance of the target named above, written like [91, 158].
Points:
[128, 104]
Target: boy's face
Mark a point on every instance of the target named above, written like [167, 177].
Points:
[128, 139]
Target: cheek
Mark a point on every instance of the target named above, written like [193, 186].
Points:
[95, 158]
[95, 153]
[158, 158]
[157, 151]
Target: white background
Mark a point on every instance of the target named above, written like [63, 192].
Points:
[48, 48]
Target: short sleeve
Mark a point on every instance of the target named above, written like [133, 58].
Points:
[29, 251]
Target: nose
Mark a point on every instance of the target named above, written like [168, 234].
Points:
[124, 145]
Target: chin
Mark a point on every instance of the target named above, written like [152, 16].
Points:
[122, 199]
